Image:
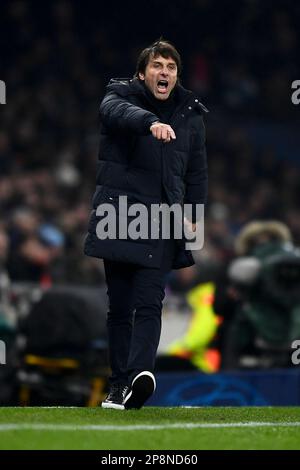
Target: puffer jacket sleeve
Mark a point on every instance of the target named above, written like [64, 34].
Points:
[196, 174]
[118, 114]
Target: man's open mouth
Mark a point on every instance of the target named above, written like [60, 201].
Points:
[162, 86]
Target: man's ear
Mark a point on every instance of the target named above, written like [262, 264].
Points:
[141, 76]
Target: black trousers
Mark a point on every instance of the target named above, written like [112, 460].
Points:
[134, 318]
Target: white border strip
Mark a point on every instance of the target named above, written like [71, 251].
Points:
[140, 427]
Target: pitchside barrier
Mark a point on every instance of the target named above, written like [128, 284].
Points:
[279, 387]
[177, 388]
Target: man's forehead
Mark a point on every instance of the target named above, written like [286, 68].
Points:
[160, 58]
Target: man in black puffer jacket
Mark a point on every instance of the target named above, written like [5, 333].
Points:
[152, 150]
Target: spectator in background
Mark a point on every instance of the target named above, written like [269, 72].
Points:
[34, 247]
[7, 312]
[259, 300]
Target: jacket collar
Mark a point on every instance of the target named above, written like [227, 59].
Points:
[132, 86]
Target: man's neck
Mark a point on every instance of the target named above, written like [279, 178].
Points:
[163, 108]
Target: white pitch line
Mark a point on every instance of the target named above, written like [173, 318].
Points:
[139, 427]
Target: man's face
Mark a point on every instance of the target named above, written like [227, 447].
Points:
[160, 76]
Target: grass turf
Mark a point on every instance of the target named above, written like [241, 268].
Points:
[62, 428]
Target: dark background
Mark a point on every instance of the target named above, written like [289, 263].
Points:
[241, 57]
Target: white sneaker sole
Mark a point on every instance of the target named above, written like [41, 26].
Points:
[113, 406]
[142, 387]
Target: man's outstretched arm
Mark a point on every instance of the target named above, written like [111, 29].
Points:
[119, 115]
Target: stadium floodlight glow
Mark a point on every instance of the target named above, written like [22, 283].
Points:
[2, 92]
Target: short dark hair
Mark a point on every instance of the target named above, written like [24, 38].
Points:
[160, 47]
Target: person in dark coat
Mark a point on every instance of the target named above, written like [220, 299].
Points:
[152, 150]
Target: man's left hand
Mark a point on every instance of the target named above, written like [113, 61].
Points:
[192, 227]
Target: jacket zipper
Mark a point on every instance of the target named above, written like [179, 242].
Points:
[178, 110]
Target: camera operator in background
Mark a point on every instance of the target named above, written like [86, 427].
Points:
[260, 301]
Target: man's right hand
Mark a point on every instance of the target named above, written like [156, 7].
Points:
[162, 131]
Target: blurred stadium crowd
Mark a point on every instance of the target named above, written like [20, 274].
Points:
[56, 60]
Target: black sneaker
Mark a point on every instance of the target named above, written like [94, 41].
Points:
[115, 398]
[142, 387]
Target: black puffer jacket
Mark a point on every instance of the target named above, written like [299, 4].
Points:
[133, 163]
